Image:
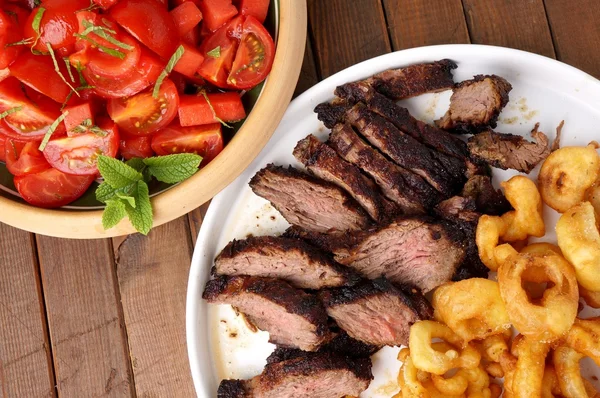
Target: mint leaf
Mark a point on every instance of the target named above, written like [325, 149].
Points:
[113, 213]
[116, 173]
[125, 198]
[215, 52]
[51, 131]
[168, 69]
[141, 215]
[173, 168]
[105, 192]
[136, 163]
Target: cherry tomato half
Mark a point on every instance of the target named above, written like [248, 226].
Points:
[254, 57]
[143, 114]
[206, 141]
[219, 51]
[52, 188]
[24, 158]
[78, 154]
[135, 147]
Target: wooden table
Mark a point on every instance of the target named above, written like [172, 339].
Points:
[107, 317]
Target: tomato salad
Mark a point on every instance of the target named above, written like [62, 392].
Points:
[123, 79]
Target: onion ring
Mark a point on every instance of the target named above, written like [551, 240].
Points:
[584, 337]
[529, 371]
[487, 236]
[566, 362]
[591, 298]
[554, 314]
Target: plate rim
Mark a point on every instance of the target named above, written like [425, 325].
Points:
[211, 227]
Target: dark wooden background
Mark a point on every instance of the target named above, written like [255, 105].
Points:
[107, 317]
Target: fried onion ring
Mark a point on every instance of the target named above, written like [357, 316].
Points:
[472, 308]
[584, 337]
[426, 358]
[550, 317]
[591, 298]
[572, 385]
[487, 236]
[526, 219]
[529, 371]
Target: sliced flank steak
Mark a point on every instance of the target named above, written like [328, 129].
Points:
[309, 202]
[509, 151]
[475, 104]
[488, 200]
[322, 161]
[292, 317]
[443, 172]
[292, 260]
[375, 312]
[315, 375]
[410, 192]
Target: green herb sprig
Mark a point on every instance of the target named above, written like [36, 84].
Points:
[35, 24]
[57, 69]
[217, 118]
[10, 111]
[215, 52]
[51, 130]
[125, 189]
[168, 69]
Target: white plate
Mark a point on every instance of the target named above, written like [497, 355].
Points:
[544, 90]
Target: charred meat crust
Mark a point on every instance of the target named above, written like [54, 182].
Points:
[324, 162]
[431, 136]
[443, 172]
[509, 151]
[331, 114]
[315, 261]
[346, 212]
[232, 389]
[293, 300]
[488, 200]
[409, 191]
[415, 79]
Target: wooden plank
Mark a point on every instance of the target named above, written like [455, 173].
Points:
[88, 343]
[152, 273]
[346, 32]
[25, 362]
[309, 75]
[415, 23]
[520, 24]
[576, 33]
[196, 217]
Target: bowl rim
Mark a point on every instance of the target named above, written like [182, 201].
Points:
[179, 200]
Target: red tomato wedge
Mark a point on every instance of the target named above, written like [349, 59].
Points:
[217, 12]
[145, 74]
[254, 57]
[52, 188]
[34, 116]
[135, 146]
[12, 18]
[76, 115]
[37, 71]
[189, 62]
[186, 16]
[3, 140]
[219, 51]
[24, 158]
[257, 8]
[150, 23]
[78, 154]
[206, 141]
[195, 110]
[143, 114]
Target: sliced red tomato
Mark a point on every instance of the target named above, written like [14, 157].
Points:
[78, 114]
[186, 16]
[132, 146]
[57, 25]
[150, 23]
[36, 112]
[78, 154]
[219, 51]
[189, 62]
[195, 110]
[254, 57]
[217, 12]
[12, 18]
[145, 74]
[206, 141]
[37, 71]
[24, 158]
[3, 140]
[257, 8]
[143, 114]
[105, 4]
[52, 188]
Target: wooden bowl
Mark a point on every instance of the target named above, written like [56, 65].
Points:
[188, 195]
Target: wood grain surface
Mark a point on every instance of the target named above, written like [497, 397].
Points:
[107, 317]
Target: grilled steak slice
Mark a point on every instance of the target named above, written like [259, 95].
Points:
[488, 200]
[415, 79]
[509, 151]
[322, 161]
[292, 317]
[410, 192]
[443, 172]
[431, 136]
[375, 312]
[462, 212]
[308, 202]
[475, 104]
[332, 113]
[292, 260]
[342, 344]
[315, 375]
